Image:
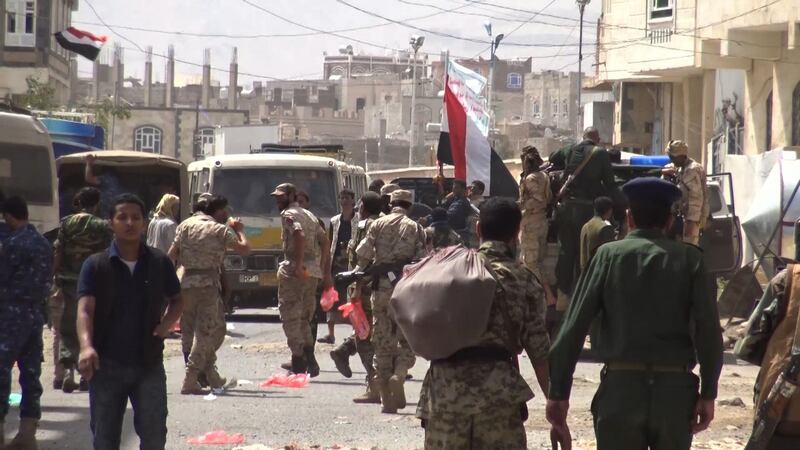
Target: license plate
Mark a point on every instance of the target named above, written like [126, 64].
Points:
[248, 278]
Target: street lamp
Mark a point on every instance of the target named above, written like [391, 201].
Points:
[581, 7]
[416, 42]
[493, 44]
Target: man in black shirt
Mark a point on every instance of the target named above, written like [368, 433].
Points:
[129, 300]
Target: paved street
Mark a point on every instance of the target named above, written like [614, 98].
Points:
[322, 413]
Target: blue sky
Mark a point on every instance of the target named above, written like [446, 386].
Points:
[455, 25]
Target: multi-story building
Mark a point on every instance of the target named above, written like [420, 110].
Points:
[675, 65]
[28, 48]
[347, 64]
[551, 99]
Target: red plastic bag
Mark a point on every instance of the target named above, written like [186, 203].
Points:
[358, 318]
[299, 380]
[218, 437]
[328, 299]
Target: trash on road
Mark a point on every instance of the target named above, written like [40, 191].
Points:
[237, 346]
[354, 311]
[243, 382]
[229, 327]
[218, 437]
[735, 402]
[299, 380]
[14, 399]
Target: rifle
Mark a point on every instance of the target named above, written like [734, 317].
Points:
[771, 411]
[394, 271]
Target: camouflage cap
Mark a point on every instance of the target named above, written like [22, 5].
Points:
[284, 189]
[677, 148]
[401, 195]
[387, 189]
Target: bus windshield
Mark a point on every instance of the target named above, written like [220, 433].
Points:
[247, 190]
[25, 170]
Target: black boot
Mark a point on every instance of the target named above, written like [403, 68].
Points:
[313, 367]
[185, 358]
[299, 364]
[342, 362]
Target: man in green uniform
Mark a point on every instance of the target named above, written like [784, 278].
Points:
[80, 235]
[598, 230]
[594, 179]
[473, 399]
[655, 320]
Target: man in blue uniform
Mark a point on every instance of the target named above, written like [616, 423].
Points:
[26, 272]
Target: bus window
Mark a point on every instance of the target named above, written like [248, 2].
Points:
[194, 181]
[17, 163]
[204, 180]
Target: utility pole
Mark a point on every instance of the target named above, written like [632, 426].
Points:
[416, 42]
[581, 6]
[493, 44]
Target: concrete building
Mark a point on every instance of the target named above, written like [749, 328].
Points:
[28, 48]
[508, 84]
[551, 99]
[172, 131]
[348, 64]
[672, 65]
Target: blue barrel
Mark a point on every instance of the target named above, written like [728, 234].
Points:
[650, 160]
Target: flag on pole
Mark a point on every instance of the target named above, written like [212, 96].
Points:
[81, 42]
[463, 142]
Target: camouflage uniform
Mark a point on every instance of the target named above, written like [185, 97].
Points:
[691, 178]
[394, 238]
[79, 236]
[26, 270]
[534, 196]
[297, 286]
[352, 344]
[472, 403]
[201, 243]
[440, 235]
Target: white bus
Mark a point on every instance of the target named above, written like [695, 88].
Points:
[28, 169]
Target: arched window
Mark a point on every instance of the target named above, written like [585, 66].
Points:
[555, 107]
[514, 80]
[564, 109]
[147, 139]
[536, 108]
[796, 115]
[769, 123]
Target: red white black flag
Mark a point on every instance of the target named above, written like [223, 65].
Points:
[81, 42]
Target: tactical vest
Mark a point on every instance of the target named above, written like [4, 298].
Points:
[777, 355]
[155, 306]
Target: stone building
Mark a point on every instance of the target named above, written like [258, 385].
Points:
[672, 66]
[28, 48]
[551, 99]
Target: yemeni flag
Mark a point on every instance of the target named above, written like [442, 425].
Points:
[463, 142]
[81, 42]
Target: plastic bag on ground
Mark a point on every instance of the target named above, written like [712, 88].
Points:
[299, 380]
[14, 399]
[328, 299]
[218, 437]
[354, 311]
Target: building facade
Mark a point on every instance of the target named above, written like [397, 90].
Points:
[672, 64]
[28, 48]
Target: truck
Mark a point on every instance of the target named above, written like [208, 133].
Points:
[241, 139]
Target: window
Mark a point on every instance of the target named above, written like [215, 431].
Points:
[361, 103]
[514, 81]
[661, 9]
[769, 123]
[147, 139]
[796, 115]
[20, 23]
[537, 109]
[555, 107]
[204, 136]
[564, 109]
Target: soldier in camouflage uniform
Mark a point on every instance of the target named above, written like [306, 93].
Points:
[690, 177]
[199, 250]
[439, 234]
[476, 397]
[306, 262]
[26, 271]
[394, 239]
[80, 235]
[370, 211]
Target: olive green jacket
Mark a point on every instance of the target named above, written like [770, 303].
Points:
[650, 295]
